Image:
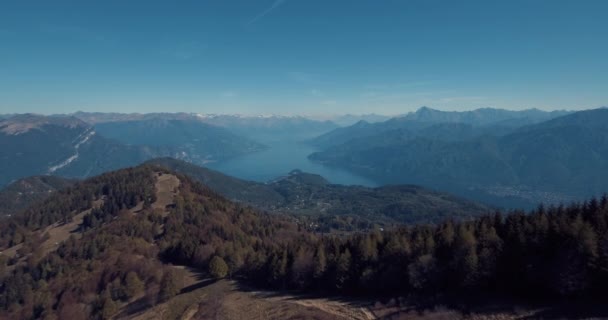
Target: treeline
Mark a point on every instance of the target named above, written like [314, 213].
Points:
[550, 252]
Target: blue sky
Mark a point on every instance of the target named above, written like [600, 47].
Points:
[301, 56]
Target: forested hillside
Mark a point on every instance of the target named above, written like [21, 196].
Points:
[27, 191]
[333, 206]
[132, 226]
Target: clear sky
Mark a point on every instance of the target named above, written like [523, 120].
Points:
[301, 56]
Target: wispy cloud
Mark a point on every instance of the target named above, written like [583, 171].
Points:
[275, 4]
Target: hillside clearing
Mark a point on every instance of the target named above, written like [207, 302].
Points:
[166, 188]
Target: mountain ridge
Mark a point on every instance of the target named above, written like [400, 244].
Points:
[530, 162]
[299, 193]
[68, 146]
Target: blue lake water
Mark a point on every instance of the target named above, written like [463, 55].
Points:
[279, 159]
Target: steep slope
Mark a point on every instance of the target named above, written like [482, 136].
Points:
[33, 144]
[302, 193]
[561, 159]
[27, 191]
[65, 146]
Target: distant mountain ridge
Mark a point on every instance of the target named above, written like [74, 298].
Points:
[482, 121]
[483, 116]
[350, 119]
[258, 127]
[198, 142]
[561, 159]
[271, 128]
[70, 147]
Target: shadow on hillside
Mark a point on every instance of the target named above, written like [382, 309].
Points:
[454, 307]
[488, 307]
[147, 302]
[136, 306]
[577, 310]
[201, 284]
[295, 295]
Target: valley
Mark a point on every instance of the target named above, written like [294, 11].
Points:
[279, 159]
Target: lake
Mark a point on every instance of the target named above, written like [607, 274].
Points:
[279, 159]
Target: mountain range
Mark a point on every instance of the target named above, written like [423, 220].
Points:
[556, 160]
[68, 146]
[502, 158]
[450, 123]
[193, 140]
[350, 119]
[261, 127]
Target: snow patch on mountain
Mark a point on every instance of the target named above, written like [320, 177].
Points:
[80, 140]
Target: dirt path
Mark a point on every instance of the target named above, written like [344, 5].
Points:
[340, 309]
[58, 233]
